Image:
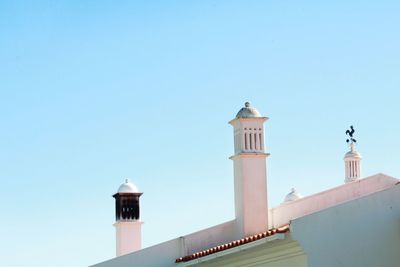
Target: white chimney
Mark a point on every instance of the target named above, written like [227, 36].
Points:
[128, 226]
[249, 162]
[352, 163]
[352, 159]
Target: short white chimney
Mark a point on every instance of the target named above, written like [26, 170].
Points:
[127, 215]
[352, 159]
[352, 162]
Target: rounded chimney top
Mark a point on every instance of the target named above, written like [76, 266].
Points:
[353, 153]
[128, 187]
[292, 196]
[248, 112]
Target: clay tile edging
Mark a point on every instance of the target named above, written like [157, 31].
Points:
[233, 244]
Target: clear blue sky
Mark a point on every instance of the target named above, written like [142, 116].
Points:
[92, 92]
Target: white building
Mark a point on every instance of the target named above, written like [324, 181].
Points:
[354, 224]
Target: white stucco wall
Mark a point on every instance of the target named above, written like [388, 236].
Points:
[278, 251]
[165, 254]
[287, 212]
[210, 237]
[161, 255]
[363, 232]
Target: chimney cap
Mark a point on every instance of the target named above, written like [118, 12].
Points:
[292, 196]
[353, 153]
[248, 112]
[128, 187]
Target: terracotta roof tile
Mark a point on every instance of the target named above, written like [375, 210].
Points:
[233, 244]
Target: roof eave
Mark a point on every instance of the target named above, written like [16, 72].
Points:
[278, 236]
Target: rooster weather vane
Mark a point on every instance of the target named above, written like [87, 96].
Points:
[350, 133]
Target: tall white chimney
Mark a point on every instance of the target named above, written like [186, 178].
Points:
[249, 162]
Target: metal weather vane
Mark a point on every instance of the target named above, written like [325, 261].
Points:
[350, 133]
